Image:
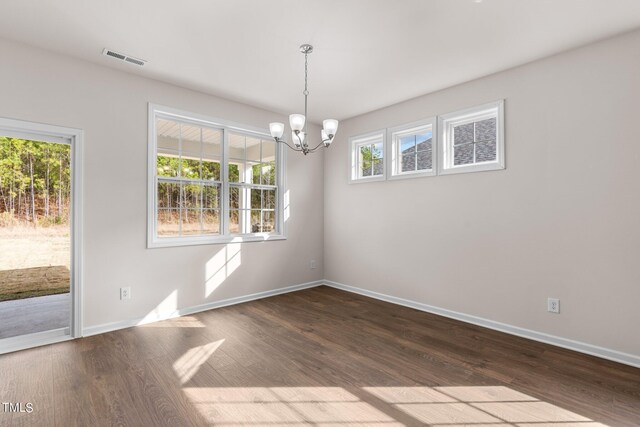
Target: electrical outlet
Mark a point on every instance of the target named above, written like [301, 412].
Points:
[312, 264]
[553, 305]
[125, 293]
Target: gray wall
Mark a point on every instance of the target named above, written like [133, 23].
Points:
[111, 107]
[561, 221]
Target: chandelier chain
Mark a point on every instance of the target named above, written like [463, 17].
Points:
[306, 90]
[306, 72]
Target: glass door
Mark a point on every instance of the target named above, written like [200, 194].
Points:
[36, 239]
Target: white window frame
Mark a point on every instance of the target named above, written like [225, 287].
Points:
[393, 156]
[153, 241]
[355, 142]
[446, 123]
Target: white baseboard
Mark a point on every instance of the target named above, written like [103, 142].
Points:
[593, 350]
[108, 327]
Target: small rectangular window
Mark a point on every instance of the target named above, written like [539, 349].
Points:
[367, 157]
[472, 140]
[413, 149]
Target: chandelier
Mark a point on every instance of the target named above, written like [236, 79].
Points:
[298, 124]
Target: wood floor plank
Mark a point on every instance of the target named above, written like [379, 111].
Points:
[315, 357]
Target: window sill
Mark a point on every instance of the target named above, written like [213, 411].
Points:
[368, 179]
[472, 168]
[170, 242]
[409, 175]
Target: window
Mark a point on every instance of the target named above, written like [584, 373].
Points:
[252, 184]
[211, 182]
[367, 157]
[472, 140]
[412, 149]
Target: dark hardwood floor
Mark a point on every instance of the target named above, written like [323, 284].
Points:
[315, 357]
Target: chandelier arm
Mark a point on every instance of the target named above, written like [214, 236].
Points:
[316, 147]
[303, 144]
[287, 144]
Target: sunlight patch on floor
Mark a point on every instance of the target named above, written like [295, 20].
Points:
[495, 405]
[325, 406]
[322, 406]
[189, 363]
[178, 322]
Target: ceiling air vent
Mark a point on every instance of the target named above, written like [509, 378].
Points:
[125, 58]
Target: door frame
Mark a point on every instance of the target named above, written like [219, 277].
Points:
[75, 138]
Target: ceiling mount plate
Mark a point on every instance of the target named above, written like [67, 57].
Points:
[306, 48]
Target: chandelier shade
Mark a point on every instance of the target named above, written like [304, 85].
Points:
[276, 129]
[298, 122]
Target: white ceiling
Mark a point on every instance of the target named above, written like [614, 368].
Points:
[368, 53]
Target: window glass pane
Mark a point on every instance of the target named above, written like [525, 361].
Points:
[463, 154]
[167, 165]
[463, 134]
[269, 199]
[234, 221]
[211, 169]
[191, 194]
[486, 151]
[365, 160]
[268, 151]
[256, 221]
[211, 197]
[486, 130]
[191, 140]
[365, 152]
[256, 172]
[253, 149]
[269, 173]
[190, 167]
[423, 141]
[376, 151]
[168, 195]
[365, 168]
[408, 162]
[211, 143]
[234, 172]
[252, 174]
[408, 144]
[167, 128]
[268, 221]
[211, 221]
[168, 136]
[168, 222]
[191, 222]
[234, 197]
[256, 198]
[378, 167]
[425, 160]
[237, 147]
